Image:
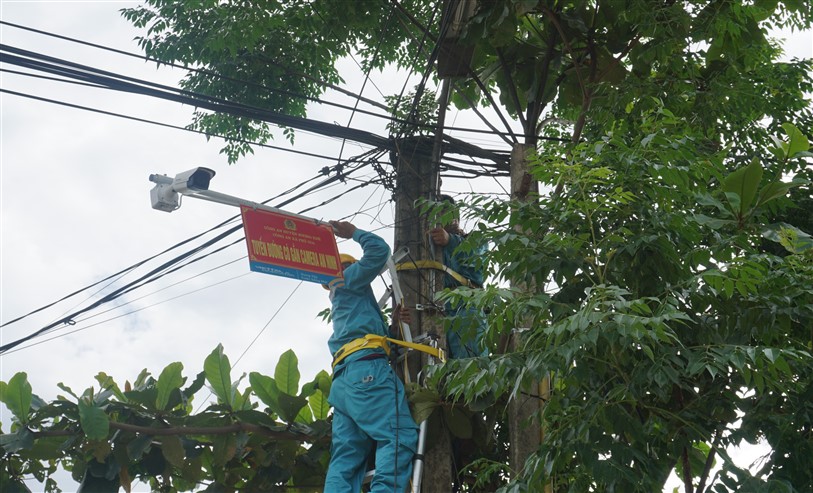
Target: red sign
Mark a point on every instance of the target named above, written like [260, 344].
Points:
[290, 246]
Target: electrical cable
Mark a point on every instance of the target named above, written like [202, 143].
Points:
[61, 70]
[177, 283]
[74, 321]
[9, 348]
[361, 185]
[128, 84]
[208, 72]
[366, 75]
[471, 74]
[15, 349]
[357, 97]
[111, 296]
[177, 245]
[187, 129]
[269, 322]
[166, 125]
[16, 56]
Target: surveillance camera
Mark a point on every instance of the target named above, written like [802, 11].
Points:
[195, 179]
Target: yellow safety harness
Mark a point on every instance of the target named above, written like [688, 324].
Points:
[372, 341]
[434, 264]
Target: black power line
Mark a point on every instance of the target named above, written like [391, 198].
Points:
[160, 124]
[210, 73]
[37, 61]
[56, 66]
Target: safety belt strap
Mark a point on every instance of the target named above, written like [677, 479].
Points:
[434, 264]
[372, 341]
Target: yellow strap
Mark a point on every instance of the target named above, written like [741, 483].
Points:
[431, 351]
[369, 341]
[372, 341]
[433, 264]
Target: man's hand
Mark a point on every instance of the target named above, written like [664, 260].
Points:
[439, 236]
[399, 314]
[402, 314]
[343, 229]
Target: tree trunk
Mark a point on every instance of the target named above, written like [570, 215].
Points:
[525, 430]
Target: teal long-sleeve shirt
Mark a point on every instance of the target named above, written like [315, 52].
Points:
[354, 308]
[462, 263]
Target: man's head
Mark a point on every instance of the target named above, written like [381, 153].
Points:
[452, 225]
[346, 260]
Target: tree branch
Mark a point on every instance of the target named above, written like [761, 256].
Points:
[710, 459]
[687, 471]
[192, 430]
[512, 88]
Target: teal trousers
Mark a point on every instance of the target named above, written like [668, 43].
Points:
[369, 407]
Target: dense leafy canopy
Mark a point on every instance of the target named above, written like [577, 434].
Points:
[676, 317]
[673, 261]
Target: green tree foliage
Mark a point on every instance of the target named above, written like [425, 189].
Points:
[586, 60]
[671, 332]
[269, 436]
[275, 55]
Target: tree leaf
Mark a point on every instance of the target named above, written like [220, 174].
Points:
[423, 403]
[106, 382]
[169, 380]
[458, 422]
[172, 448]
[744, 182]
[711, 222]
[773, 191]
[22, 439]
[289, 406]
[286, 373]
[319, 405]
[266, 389]
[218, 374]
[324, 382]
[224, 448]
[17, 395]
[304, 416]
[137, 447]
[797, 141]
[94, 421]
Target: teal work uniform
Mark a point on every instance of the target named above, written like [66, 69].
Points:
[465, 326]
[369, 404]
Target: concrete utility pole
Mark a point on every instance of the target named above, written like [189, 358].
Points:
[417, 177]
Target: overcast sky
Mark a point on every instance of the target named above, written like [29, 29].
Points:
[76, 209]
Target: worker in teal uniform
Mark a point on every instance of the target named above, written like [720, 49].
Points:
[369, 404]
[465, 326]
